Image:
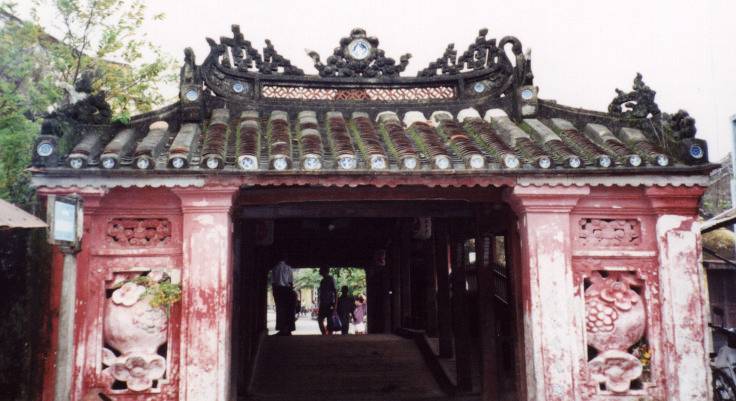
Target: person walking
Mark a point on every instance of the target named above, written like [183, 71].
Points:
[327, 297]
[345, 308]
[282, 280]
[359, 314]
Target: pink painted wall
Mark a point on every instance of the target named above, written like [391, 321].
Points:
[613, 296]
[631, 254]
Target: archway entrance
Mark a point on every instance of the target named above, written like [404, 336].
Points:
[439, 279]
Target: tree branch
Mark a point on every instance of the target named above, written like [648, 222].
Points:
[85, 37]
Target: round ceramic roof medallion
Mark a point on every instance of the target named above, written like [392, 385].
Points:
[696, 152]
[191, 95]
[527, 94]
[240, 87]
[45, 149]
[359, 49]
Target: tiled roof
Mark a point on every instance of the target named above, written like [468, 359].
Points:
[312, 141]
[246, 112]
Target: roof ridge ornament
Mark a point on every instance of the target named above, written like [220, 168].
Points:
[238, 54]
[359, 56]
[639, 103]
[483, 54]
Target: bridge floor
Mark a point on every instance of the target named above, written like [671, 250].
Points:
[342, 368]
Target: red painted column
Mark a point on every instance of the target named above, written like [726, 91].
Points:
[206, 293]
[551, 341]
[683, 293]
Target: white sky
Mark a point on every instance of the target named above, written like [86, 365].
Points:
[582, 50]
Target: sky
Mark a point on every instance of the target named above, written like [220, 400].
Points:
[581, 50]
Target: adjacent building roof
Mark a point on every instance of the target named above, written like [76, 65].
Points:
[12, 216]
[248, 113]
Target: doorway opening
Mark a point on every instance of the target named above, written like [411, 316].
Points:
[306, 294]
[438, 275]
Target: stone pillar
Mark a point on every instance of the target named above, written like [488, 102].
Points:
[551, 341]
[205, 372]
[684, 292]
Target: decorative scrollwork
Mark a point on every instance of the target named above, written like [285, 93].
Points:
[238, 54]
[359, 56]
[484, 54]
[639, 103]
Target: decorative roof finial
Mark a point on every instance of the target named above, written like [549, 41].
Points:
[639, 102]
[359, 56]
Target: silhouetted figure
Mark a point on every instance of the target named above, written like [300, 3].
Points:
[282, 278]
[345, 308]
[327, 298]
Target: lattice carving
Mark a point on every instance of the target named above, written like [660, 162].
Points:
[145, 232]
[609, 232]
[371, 94]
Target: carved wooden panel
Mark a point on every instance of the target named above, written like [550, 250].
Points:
[608, 232]
[144, 232]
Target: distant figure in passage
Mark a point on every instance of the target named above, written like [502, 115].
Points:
[345, 308]
[327, 298]
[282, 279]
[359, 314]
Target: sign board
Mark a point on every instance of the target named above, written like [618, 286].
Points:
[65, 220]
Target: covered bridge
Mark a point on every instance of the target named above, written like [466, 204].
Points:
[530, 250]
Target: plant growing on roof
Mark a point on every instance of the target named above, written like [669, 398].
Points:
[446, 138]
[367, 138]
[482, 134]
[419, 141]
[358, 139]
[388, 140]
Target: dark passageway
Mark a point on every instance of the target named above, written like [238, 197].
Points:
[441, 315]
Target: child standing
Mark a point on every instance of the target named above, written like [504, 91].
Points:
[359, 314]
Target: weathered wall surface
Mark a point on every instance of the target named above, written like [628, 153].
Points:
[613, 293]
[25, 276]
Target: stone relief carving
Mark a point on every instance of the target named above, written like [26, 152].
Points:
[609, 232]
[617, 369]
[133, 333]
[615, 322]
[138, 232]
